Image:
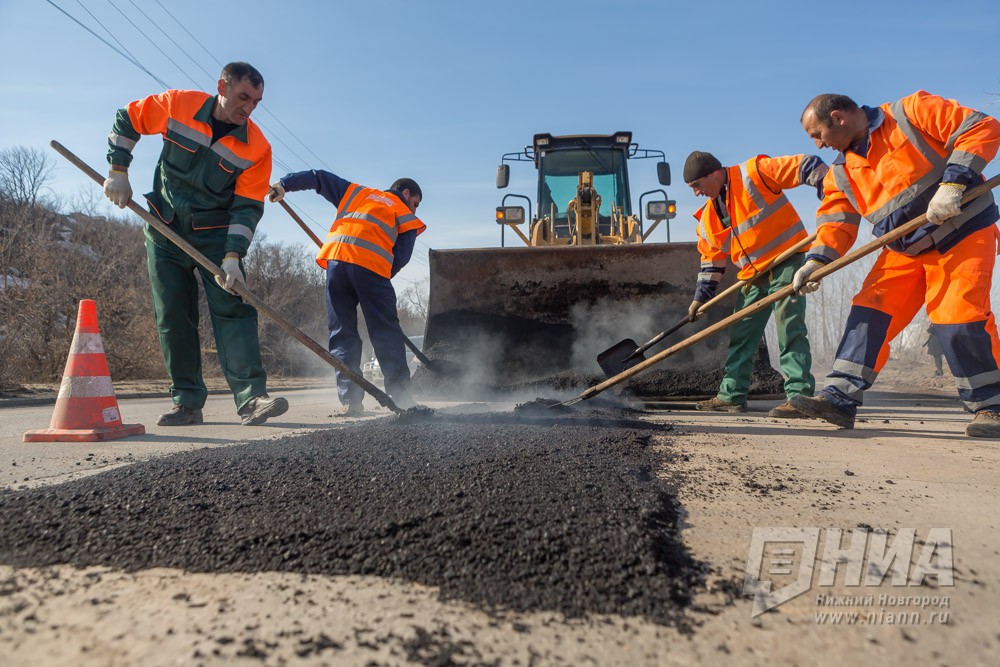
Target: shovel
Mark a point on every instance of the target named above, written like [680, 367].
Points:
[406, 341]
[248, 296]
[625, 354]
[821, 272]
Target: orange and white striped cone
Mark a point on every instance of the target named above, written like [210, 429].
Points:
[86, 408]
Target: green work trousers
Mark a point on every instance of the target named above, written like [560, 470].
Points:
[175, 300]
[793, 342]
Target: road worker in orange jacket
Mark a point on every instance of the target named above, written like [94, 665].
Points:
[749, 219]
[371, 239]
[209, 186]
[897, 161]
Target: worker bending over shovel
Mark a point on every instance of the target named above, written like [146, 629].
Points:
[897, 162]
[370, 241]
[749, 219]
[209, 186]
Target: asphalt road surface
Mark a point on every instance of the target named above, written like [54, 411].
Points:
[489, 536]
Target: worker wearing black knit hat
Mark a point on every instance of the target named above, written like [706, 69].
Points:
[749, 219]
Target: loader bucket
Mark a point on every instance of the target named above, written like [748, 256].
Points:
[527, 319]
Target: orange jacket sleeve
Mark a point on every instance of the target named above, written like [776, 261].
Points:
[783, 173]
[836, 224]
[971, 136]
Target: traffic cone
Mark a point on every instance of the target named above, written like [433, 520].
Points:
[86, 408]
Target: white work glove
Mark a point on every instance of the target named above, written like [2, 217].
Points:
[117, 188]
[801, 283]
[946, 203]
[693, 313]
[231, 267]
[277, 192]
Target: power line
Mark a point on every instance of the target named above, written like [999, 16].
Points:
[264, 108]
[321, 162]
[107, 30]
[131, 58]
[217, 61]
[148, 39]
[172, 41]
[110, 45]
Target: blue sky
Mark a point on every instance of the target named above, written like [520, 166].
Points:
[440, 90]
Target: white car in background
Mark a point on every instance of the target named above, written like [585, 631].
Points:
[373, 372]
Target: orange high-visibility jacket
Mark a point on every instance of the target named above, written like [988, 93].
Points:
[210, 186]
[764, 221]
[907, 156]
[365, 229]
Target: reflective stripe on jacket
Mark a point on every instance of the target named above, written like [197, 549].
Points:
[909, 150]
[366, 227]
[764, 220]
[210, 185]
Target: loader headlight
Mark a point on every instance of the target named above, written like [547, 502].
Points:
[510, 215]
[665, 209]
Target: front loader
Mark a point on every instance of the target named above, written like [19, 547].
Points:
[521, 319]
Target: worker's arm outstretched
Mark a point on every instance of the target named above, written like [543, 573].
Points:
[786, 172]
[330, 186]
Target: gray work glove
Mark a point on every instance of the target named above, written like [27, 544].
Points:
[231, 267]
[693, 313]
[946, 203]
[277, 192]
[801, 283]
[117, 188]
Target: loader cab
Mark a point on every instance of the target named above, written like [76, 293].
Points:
[559, 167]
[560, 162]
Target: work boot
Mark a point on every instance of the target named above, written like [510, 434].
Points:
[786, 411]
[821, 408]
[984, 425]
[181, 415]
[261, 408]
[354, 409]
[716, 404]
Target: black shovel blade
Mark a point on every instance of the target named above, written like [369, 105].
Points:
[613, 360]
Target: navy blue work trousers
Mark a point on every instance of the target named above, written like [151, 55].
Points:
[347, 286]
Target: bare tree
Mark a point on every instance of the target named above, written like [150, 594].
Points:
[24, 173]
[413, 306]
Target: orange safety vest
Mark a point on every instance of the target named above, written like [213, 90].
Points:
[764, 221]
[366, 227]
[907, 154]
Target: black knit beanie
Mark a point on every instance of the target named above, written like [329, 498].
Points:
[700, 164]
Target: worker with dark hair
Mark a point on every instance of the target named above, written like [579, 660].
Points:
[209, 186]
[749, 219]
[371, 239]
[896, 162]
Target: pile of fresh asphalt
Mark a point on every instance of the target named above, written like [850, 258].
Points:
[539, 509]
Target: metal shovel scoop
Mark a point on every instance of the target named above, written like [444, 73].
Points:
[627, 353]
